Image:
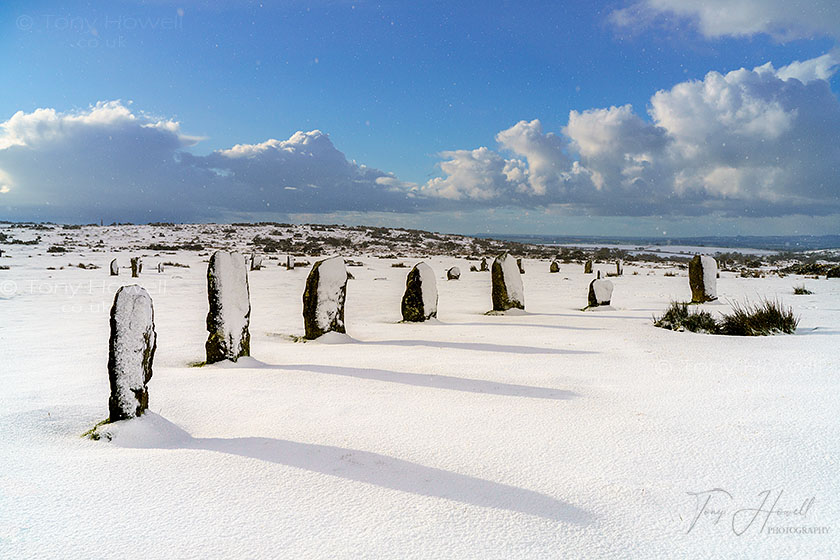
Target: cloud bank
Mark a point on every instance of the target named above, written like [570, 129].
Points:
[748, 143]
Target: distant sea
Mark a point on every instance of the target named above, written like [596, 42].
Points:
[770, 244]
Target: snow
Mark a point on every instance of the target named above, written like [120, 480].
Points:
[513, 279]
[134, 318]
[603, 290]
[548, 434]
[428, 285]
[709, 265]
[234, 298]
[332, 277]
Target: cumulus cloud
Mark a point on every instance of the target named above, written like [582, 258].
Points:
[110, 162]
[749, 142]
[782, 19]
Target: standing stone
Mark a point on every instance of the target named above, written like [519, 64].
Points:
[619, 268]
[702, 278]
[160, 268]
[473, 268]
[554, 267]
[230, 308]
[483, 267]
[519, 265]
[115, 268]
[420, 300]
[587, 267]
[506, 279]
[323, 298]
[136, 266]
[453, 273]
[131, 351]
[290, 262]
[256, 261]
[600, 292]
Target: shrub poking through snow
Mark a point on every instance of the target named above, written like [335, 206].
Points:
[230, 308]
[453, 273]
[508, 292]
[801, 291]
[419, 302]
[587, 267]
[115, 268]
[131, 351]
[760, 319]
[323, 298]
[600, 292]
[679, 317]
[702, 278]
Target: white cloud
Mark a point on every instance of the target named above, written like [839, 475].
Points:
[782, 19]
[753, 141]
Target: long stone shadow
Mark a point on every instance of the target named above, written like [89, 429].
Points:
[367, 467]
[477, 346]
[561, 327]
[436, 381]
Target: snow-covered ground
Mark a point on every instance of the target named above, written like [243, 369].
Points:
[551, 433]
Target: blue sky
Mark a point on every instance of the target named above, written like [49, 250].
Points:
[403, 89]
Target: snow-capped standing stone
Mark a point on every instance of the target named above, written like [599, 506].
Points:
[506, 279]
[131, 351]
[420, 300]
[554, 267]
[323, 298]
[600, 292]
[619, 268]
[453, 273]
[702, 278]
[256, 261]
[483, 267]
[519, 265]
[115, 268]
[290, 262]
[136, 266]
[160, 268]
[230, 308]
[587, 267]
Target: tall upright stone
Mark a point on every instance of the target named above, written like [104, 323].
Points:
[420, 300]
[256, 261]
[453, 273]
[160, 267]
[115, 268]
[600, 292]
[131, 351]
[136, 266]
[290, 262]
[323, 298]
[519, 265]
[483, 267]
[619, 267]
[554, 267]
[229, 316]
[508, 292]
[587, 267]
[702, 278]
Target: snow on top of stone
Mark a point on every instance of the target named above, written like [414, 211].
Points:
[234, 302]
[603, 290]
[133, 317]
[709, 275]
[332, 275]
[428, 285]
[513, 279]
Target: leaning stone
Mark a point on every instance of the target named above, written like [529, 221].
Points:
[508, 292]
[323, 298]
[600, 292]
[131, 351]
[473, 268]
[160, 268]
[453, 273]
[519, 265]
[702, 278]
[419, 302]
[115, 268]
[230, 308]
[554, 267]
[136, 266]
